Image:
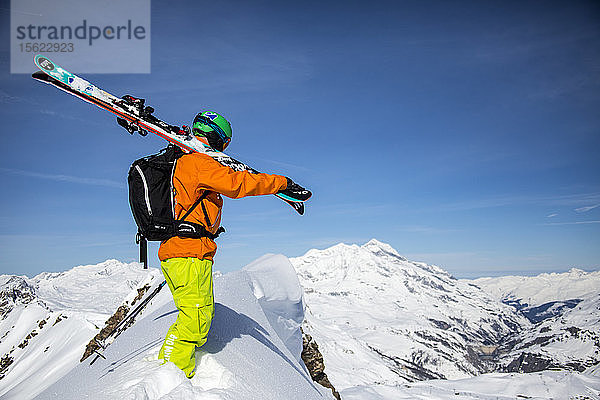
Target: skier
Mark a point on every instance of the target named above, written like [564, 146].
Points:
[197, 179]
[187, 263]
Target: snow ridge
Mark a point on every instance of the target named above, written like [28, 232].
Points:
[543, 288]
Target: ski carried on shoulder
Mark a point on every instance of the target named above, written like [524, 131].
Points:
[135, 116]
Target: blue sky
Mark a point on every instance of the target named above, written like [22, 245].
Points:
[464, 134]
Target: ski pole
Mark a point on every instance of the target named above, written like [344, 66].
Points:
[125, 320]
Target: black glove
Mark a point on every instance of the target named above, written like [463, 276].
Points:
[293, 186]
[296, 191]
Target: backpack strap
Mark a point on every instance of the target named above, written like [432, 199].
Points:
[204, 195]
[180, 223]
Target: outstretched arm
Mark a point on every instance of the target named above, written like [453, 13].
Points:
[213, 176]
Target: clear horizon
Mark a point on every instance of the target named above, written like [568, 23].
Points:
[465, 135]
[491, 274]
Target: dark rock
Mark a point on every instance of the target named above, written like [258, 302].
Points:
[528, 362]
[58, 319]
[574, 331]
[440, 324]
[406, 369]
[14, 292]
[112, 323]
[313, 359]
[5, 362]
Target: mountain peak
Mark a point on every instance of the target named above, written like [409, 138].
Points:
[377, 247]
[372, 265]
[577, 272]
[385, 307]
[14, 290]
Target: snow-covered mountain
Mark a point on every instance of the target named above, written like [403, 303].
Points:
[380, 321]
[566, 309]
[545, 295]
[46, 321]
[543, 288]
[568, 341]
[412, 321]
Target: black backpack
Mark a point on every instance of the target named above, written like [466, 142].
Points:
[151, 197]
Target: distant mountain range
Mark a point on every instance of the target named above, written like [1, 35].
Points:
[565, 308]
[387, 328]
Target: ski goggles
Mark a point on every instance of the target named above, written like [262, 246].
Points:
[216, 128]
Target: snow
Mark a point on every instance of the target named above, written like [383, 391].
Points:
[568, 336]
[276, 286]
[62, 315]
[92, 289]
[244, 357]
[546, 385]
[379, 320]
[543, 288]
[571, 340]
[593, 371]
[539, 386]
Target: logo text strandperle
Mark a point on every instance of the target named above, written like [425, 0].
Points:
[82, 32]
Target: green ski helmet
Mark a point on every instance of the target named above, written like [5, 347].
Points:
[214, 127]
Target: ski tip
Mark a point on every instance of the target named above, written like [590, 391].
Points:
[44, 63]
[39, 75]
[297, 205]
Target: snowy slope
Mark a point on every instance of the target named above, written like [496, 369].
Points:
[380, 319]
[251, 352]
[567, 309]
[46, 321]
[547, 385]
[570, 341]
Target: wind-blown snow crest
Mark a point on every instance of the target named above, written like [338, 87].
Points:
[276, 286]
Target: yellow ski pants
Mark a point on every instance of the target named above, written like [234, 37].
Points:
[190, 281]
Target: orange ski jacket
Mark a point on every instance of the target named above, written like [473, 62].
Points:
[194, 174]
